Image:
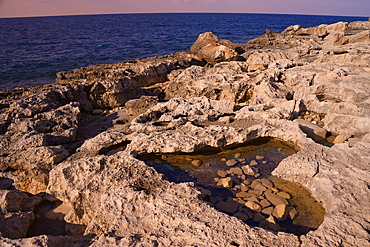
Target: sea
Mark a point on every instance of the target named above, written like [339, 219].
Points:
[34, 49]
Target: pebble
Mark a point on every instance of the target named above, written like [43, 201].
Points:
[196, 162]
[271, 224]
[207, 164]
[241, 216]
[236, 170]
[265, 203]
[292, 213]
[258, 217]
[231, 162]
[229, 207]
[246, 182]
[275, 190]
[248, 212]
[276, 200]
[259, 157]
[239, 200]
[264, 162]
[244, 187]
[271, 219]
[280, 212]
[255, 183]
[249, 170]
[225, 182]
[223, 159]
[253, 206]
[284, 194]
[243, 194]
[221, 173]
[237, 155]
[267, 183]
[268, 210]
[253, 163]
[256, 192]
[252, 198]
[260, 187]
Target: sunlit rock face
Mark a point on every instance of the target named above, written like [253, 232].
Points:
[71, 153]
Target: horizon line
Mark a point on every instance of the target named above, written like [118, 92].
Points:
[192, 12]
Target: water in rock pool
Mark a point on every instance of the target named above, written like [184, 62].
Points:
[237, 180]
[33, 49]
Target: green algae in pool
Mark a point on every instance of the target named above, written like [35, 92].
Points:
[240, 183]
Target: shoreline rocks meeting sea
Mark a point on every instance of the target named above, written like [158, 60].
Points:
[73, 170]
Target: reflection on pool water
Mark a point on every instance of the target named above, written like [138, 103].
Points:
[238, 181]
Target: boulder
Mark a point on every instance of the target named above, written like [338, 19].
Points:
[224, 81]
[320, 31]
[114, 93]
[213, 50]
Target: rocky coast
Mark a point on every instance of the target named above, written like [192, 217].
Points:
[71, 172]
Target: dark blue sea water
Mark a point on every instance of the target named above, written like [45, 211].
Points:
[33, 49]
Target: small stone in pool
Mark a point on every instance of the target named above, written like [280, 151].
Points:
[253, 163]
[196, 162]
[241, 216]
[258, 217]
[253, 206]
[225, 182]
[260, 157]
[236, 171]
[280, 212]
[268, 210]
[221, 173]
[231, 162]
[284, 194]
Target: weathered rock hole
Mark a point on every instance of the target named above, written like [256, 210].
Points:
[237, 180]
[49, 220]
[161, 123]
[114, 148]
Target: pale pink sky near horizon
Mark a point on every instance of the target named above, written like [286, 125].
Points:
[25, 8]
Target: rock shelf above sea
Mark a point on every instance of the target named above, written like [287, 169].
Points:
[69, 168]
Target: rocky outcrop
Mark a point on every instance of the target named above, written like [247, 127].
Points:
[78, 142]
[16, 214]
[210, 48]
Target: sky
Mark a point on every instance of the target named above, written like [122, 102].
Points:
[26, 8]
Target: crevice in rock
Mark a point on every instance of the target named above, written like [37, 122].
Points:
[49, 220]
[114, 148]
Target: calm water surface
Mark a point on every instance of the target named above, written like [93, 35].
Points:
[32, 50]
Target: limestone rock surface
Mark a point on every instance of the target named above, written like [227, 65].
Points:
[78, 142]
